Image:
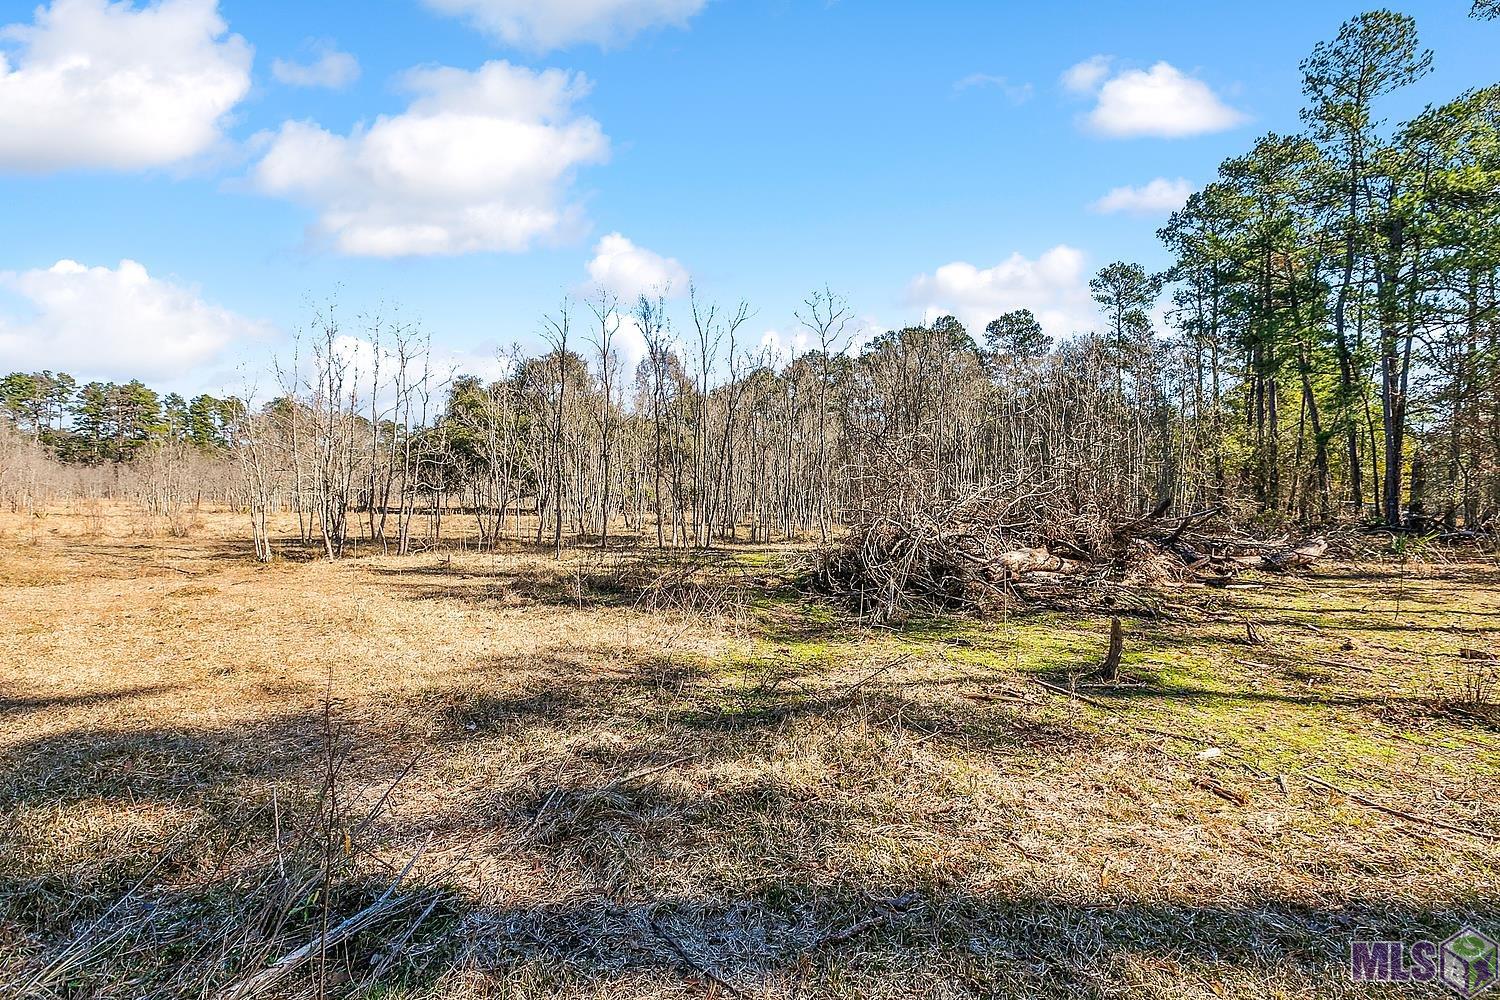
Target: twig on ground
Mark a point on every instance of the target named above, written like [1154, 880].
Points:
[694, 964]
[853, 930]
[84, 946]
[1399, 813]
[1057, 689]
[1222, 791]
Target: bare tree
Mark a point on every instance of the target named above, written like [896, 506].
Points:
[556, 332]
[827, 317]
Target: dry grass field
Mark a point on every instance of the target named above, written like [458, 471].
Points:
[520, 780]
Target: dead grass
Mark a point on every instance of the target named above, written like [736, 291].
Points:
[714, 796]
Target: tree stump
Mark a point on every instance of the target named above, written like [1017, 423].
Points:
[1111, 668]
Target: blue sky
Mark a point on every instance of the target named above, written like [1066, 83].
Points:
[914, 157]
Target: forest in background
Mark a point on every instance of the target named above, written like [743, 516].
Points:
[1330, 354]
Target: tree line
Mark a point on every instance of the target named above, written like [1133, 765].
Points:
[110, 422]
[710, 440]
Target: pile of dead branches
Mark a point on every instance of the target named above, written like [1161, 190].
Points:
[958, 554]
[978, 552]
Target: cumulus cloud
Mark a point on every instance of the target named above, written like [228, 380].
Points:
[1156, 197]
[480, 161]
[1161, 101]
[1054, 287]
[629, 271]
[619, 266]
[487, 365]
[89, 83]
[114, 323]
[629, 346]
[1085, 77]
[558, 23]
[332, 69]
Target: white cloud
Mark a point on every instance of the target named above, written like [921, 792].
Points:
[1016, 93]
[480, 161]
[1054, 286]
[630, 271]
[1085, 77]
[779, 348]
[98, 84]
[558, 23]
[1162, 101]
[114, 323]
[440, 363]
[332, 69]
[630, 346]
[363, 363]
[1156, 197]
[487, 365]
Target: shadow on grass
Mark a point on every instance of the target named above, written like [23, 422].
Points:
[712, 706]
[1408, 708]
[134, 767]
[763, 884]
[791, 923]
[814, 935]
[828, 936]
[21, 704]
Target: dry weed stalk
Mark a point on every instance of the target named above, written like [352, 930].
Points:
[267, 914]
[1478, 678]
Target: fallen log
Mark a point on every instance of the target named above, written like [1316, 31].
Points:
[1302, 556]
[1031, 560]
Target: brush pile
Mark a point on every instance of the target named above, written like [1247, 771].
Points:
[979, 552]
